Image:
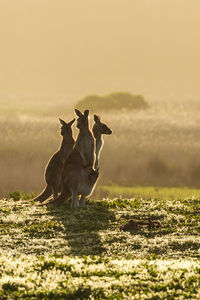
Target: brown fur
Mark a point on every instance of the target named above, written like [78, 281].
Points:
[78, 177]
[85, 140]
[55, 164]
[98, 130]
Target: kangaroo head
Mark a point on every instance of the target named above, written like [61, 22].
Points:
[66, 128]
[82, 121]
[99, 127]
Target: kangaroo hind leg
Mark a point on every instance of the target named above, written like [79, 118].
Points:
[75, 200]
[82, 201]
[54, 191]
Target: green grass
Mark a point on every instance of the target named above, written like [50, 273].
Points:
[148, 192]
[59, 253]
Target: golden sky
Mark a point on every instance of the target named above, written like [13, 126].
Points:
[78, 47]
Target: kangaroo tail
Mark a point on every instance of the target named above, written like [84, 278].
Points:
[44, 195]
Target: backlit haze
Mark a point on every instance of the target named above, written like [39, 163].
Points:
[79, 47]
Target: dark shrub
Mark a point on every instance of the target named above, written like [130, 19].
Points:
[115, 101]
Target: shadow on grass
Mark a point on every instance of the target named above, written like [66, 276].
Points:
[82, 226]
[146, 225]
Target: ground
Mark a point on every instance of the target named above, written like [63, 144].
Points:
[59, 253]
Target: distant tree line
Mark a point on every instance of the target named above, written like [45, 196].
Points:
[114, 101]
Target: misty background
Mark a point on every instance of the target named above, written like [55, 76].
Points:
[56, 52]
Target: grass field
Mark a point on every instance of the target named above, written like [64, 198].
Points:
[59, 253]
[147, 192]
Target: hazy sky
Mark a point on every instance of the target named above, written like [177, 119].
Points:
[77, 47]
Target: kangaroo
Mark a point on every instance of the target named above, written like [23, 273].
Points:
[78, 175]
[55, 164]
[85, 141]
[82, 180]
[98, 130]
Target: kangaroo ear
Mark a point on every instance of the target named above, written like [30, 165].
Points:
[78, 113]
[70, 123]
[62, 122]
[96, 119]
[86, 113]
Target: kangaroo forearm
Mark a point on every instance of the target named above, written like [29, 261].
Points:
[84, 159]
[90, 159]
[96, 165]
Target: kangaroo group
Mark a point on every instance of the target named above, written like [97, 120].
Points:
[72, 171]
